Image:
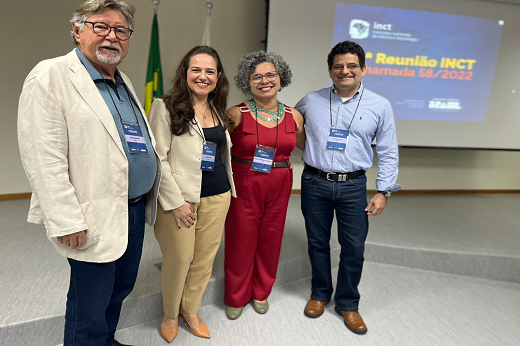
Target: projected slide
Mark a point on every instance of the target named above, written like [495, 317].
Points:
[430, 66]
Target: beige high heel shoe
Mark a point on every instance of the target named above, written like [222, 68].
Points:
[169, 333]
[201, 331]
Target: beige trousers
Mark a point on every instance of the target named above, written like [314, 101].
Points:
[188, 253]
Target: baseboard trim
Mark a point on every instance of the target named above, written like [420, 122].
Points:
[14, 196]
[432, 192]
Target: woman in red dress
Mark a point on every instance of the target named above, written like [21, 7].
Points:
[264, 135]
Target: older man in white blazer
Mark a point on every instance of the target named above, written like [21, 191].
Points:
[89, 155]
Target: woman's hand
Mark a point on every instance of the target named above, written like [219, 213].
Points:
[184, 213]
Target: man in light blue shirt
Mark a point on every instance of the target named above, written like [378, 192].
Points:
[341, 122]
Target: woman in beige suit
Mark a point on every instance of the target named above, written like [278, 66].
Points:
[190, 126]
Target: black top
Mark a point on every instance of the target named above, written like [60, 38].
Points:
[216, 181]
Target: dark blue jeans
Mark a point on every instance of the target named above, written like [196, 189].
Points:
[97, 290]
[320, 199]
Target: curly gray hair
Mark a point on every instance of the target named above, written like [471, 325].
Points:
[248, 63]
[90, 7]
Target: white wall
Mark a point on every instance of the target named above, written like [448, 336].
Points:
[34, 30]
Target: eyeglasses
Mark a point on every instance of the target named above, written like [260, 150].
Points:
[351, 67]
[103, 30]
[257, 78]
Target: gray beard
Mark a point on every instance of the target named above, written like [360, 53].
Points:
[108, 58]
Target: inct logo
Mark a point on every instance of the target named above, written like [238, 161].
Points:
[359, 29]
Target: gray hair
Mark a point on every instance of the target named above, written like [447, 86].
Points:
[248, 63]
[91, 7]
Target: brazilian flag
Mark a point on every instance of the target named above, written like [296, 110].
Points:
[154, 84]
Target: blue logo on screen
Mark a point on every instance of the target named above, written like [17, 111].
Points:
[359, 29]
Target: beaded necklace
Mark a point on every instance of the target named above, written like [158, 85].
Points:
[277, 114]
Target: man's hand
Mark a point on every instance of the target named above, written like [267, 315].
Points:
[378, 202]
[73, 240]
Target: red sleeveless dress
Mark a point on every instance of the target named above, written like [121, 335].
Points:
[256, 218]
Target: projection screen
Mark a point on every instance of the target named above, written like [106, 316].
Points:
[450, 68]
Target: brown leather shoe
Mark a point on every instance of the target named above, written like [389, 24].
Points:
[314, 308]
[353, 321]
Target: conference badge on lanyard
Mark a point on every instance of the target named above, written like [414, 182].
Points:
[263, 159]
[134, 138]
[209, 150]
[338, 139]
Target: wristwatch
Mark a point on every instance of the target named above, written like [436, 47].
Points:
[385, 193]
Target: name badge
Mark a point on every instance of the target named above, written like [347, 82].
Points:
[209, 150]
[135, 139]
[263, 159]
[337, 140]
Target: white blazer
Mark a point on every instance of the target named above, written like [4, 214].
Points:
[73, 156]
[181, 159]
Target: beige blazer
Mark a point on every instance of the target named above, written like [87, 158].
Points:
[180, 159]
[75, 161]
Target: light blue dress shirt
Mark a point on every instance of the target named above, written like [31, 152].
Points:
[374, 119]
[142, 168]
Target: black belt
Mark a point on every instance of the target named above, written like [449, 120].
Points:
[333, 176]
[134, 200]
[278, 164]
